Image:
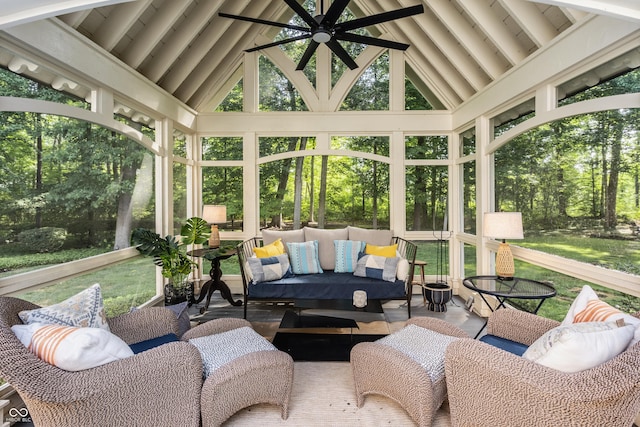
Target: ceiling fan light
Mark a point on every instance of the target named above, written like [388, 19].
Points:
[321, 36]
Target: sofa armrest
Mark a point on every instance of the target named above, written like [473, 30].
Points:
[519, 326]
[215, 326]
[144, 324]
[438, 325]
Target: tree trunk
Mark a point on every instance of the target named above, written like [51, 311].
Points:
[611, 216]
[39, 148]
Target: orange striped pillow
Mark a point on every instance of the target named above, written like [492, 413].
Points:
[71, 348]
[596, 311]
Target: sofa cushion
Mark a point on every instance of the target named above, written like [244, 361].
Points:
[373, 237]
[507, 345]
[587, 307]
[304, 257]
[72, 348]
[267, 269]
[272, 249]
[328, 285]
[347, 253]
[85, 309]
[145, 345]
[377, 267]
[288, 236]
[326, 249]
[220, 349]
[580, 346]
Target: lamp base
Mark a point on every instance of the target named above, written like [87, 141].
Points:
[214, 238]
[505, 269]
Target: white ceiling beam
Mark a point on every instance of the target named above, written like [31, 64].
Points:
[463, 32]
[190, 59]
[14, 12]
[75, 19]
[622, 9]
[430, 27]
[119, 22]
[534, 23]
[188, 30]
[495, 29]
[149, 37]
[464, 62]
[573, 15]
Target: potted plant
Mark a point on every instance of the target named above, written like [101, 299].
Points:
[168, 253]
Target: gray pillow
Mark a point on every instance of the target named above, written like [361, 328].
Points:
[288, 236]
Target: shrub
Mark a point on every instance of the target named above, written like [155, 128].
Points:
[45, 239]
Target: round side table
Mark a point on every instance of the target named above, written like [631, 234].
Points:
[420, 264]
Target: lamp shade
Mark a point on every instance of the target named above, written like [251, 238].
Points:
[503, 225]
[214, 214]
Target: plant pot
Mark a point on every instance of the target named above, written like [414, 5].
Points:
[175, 295]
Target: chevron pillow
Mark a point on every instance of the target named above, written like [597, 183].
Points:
[85, 309]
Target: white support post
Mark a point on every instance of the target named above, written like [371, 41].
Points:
[250, 185]
[164, 186]
[397, 199]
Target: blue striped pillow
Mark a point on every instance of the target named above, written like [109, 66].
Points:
[304, 257]
[347, 254]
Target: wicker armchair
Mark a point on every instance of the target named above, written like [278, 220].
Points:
[491, 387]
[161, 386]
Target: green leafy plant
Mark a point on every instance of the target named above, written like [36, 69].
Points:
[168, 253]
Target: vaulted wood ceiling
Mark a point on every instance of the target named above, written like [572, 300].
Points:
[458, 47]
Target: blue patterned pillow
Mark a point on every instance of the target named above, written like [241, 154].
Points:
[304, 257]
[84, 309]
[347, 252]
[270, 268]
[377, 267]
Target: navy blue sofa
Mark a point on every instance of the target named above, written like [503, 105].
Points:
[329, 284]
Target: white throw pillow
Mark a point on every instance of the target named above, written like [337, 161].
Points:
[580, 346]
[71, 348]
[587, 307]
[84, 309]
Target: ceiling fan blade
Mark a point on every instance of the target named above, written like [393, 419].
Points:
[334, 12]
[278, 43]
[356, 38]
[379, 18]
[341, 53]
[302, 12]
[262, 21]
[308, 53]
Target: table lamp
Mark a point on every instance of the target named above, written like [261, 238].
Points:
[503, 225]
[214, 214]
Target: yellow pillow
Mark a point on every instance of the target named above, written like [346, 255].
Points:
[385, 251]
[274, 249]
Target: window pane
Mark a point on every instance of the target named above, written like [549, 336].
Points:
[275, 145]
[426, 202]
[469, 197]
[576, 180]
[179, 197]
[124, 286]
[223, 186]
[366, 144]
[222, 148]
[333, 192]
[426, 147]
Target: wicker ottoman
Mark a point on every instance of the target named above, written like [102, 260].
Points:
[407, 367]
[241, 369]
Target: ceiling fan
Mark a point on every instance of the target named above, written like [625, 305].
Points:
[324, 29]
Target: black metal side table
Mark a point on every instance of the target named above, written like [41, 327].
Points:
[215, 283]
[508, 288]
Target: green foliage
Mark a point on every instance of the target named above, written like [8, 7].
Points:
[194, 231]
[166, 254]
[45, 239]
